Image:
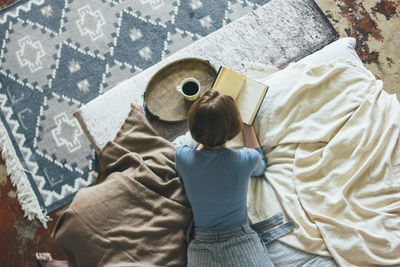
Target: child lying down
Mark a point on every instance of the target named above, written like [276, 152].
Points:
[139, 214]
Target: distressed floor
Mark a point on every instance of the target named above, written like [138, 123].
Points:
[20, 239]
[6, 3]
[376, 26]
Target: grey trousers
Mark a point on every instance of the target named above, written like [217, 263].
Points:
[239, 246]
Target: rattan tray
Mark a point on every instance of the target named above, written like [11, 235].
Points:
[161, 98]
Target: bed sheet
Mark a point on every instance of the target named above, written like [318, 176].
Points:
[330, 133]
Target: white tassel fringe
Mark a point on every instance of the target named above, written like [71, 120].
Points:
[25, 195]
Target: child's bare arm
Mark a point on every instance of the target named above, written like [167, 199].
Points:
[249, 137]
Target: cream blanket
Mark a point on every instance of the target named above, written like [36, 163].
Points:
[331, 136]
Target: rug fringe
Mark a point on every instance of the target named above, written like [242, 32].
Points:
[25, 195]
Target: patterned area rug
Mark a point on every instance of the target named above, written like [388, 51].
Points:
[57, 55]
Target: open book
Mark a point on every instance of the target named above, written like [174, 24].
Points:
[248, 93]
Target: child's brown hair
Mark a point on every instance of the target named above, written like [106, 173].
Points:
[214, 119]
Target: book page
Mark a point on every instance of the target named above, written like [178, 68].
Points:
[229, 82]
[250, 99]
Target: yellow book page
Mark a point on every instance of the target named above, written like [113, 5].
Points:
[229, 82]
[250, 99]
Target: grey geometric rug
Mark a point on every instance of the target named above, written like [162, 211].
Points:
[57, 55]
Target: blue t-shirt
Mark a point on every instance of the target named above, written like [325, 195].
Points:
[216, 184]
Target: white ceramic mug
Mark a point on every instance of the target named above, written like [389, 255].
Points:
[189, 88]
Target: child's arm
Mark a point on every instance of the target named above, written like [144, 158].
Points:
[251, 141]
[249, 137]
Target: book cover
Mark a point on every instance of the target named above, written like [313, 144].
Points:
[247, 93]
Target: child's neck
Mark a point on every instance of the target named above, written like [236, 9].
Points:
[213, 147]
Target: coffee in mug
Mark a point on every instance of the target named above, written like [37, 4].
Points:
[189, 88]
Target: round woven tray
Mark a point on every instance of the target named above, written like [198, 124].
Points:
[163, 100]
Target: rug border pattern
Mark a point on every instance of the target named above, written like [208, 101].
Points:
[25, 195]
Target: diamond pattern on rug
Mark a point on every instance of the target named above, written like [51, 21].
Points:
[139, 43]
[26, 106]
[57, 55]
[78, 74]
[48, 15]
[60, 138]
[27, 54]
[202, 17]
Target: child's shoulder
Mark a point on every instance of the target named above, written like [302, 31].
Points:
[249, 153]
[184, 149]
[245, 150]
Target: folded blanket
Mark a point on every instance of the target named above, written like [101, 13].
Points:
[331, 135]
[138, 215]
